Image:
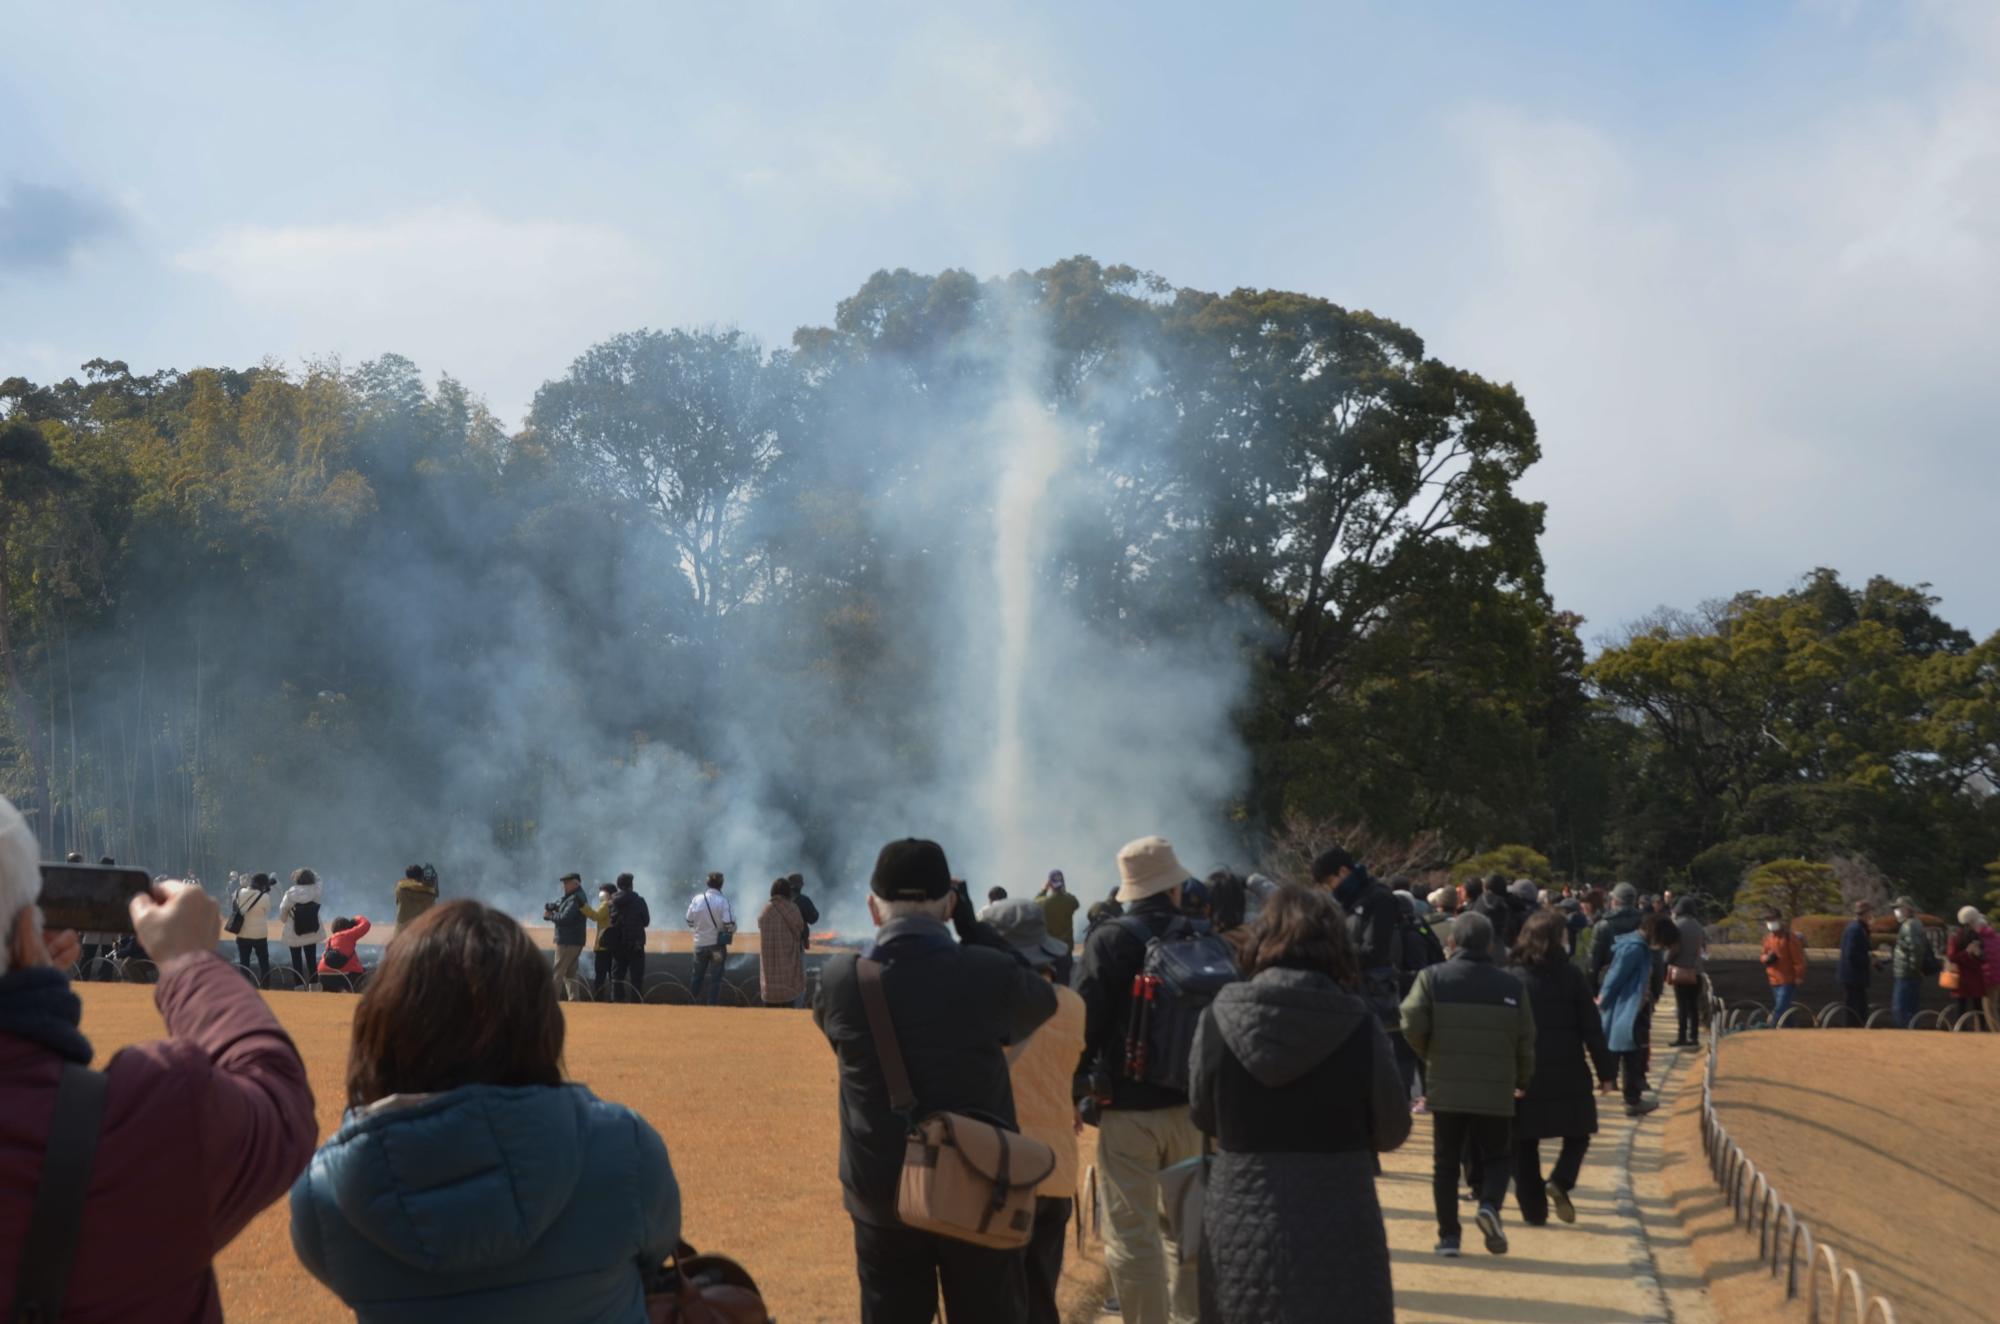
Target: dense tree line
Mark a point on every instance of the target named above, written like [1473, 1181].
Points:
[233, 593]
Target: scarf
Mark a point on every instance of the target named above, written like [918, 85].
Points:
[38, 1005]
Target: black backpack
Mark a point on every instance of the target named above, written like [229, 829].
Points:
[1184, 969]
[305, 917]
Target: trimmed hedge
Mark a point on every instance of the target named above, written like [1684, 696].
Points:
[1825, 930]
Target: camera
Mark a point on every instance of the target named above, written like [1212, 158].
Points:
[548, 910]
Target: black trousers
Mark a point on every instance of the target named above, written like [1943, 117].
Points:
[1041, 1264]
[305, 960]
[257, 947]
[1632, 1075]
[902, 1273]
[600, 973]
[1530, 1190]
[1687, 1013]
[1857, 1001]
[1408, 1064]
[629, 968]
[1457, 1137]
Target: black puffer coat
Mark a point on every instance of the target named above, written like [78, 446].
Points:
[1569, 1041]
[1294, 1078]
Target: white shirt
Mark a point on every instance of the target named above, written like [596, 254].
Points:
[706, 913]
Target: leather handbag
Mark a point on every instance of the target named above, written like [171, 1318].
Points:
[692, 1288]
[1948, 977]
[1681, 976]
[963, 1177]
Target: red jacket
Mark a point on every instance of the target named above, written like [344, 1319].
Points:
[1971, 968]
[201, 1130]
[344, 941]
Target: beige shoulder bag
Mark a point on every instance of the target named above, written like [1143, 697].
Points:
[963, 1178]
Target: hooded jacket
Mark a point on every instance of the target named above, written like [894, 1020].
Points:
[414, 896]
[1294, 1078]
[503, 1204]
[255, 907]
[293, 937]
[1622, 996]
[1605, 936]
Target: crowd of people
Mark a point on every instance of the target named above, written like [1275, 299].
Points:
[1263, 1040]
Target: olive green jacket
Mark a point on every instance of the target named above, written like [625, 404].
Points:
[1471, 1023]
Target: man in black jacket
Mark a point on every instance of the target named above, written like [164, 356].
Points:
[955, 1009]
[1142, 1128]
[1373, 924]
[629, 917]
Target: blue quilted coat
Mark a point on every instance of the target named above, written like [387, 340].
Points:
[534, 1204]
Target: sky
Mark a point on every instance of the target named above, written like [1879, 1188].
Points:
[1742, 261]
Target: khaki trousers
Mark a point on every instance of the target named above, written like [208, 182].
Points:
[566, 959]
[1153, 1286]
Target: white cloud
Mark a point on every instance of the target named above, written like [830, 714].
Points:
[948, 110]
[1756, 354]
[505, 301]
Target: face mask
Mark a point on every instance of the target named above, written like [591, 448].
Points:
[1774, 926]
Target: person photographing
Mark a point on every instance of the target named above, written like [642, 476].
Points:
[566, 914]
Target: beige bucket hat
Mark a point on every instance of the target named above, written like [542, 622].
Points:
[1147, 867]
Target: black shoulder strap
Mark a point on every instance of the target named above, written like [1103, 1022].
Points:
[876, 1003]
[48, 1253]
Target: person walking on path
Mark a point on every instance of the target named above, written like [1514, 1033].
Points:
[1784, 958]
[1471, 1023]
[253, 934]
[298, 918]
[197, 1132]
[568, 917]
[1059, 911]
[1623, 999]
[1966, 953]
[953, 1009]
[1042, 1069]
[1857, 963]
[1692, 956]
[468, 1180]
[714, 924]
[1143, 1127]
[1570, 1052]
[1621, 919]
[1910, 963]
[1293, 1076]
[781, 962]
[416, 893]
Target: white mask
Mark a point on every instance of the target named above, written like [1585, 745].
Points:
[1773, 925]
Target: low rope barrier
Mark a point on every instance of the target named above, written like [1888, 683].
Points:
[1754, 1202]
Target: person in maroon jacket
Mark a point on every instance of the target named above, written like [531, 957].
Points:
[201, 1129]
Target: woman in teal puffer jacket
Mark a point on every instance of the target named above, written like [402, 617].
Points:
[467, 1181]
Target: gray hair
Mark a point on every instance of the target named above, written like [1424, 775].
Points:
[1472, 932]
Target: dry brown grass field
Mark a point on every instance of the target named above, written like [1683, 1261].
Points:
[1882, 1140]
[744, 1098]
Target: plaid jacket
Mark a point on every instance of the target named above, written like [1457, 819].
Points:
[781, 933]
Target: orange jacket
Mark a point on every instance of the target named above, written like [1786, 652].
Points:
[1790, 967]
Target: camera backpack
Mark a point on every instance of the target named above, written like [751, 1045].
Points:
[1185, 968]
